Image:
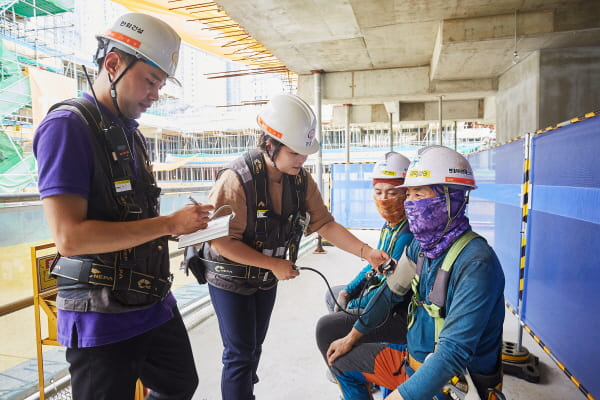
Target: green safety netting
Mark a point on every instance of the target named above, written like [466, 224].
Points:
[18, 177]
[42, 7]
[10, 153]
[16, 171]
[15, 91]
[9, 62]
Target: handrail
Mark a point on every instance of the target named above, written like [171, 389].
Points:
[21, 197]
[32, 197]
[16, 306]
[25, 302]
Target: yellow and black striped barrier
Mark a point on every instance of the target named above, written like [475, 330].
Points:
[569, 122]
[524, 215]
[560, 365]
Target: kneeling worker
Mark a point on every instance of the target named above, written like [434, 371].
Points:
[457, 311]
[388, 173]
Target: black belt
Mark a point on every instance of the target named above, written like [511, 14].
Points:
[104, 275]
[241, 271]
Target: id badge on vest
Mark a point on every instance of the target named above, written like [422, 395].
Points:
[123, 185]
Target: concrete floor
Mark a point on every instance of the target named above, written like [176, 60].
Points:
[292, 368]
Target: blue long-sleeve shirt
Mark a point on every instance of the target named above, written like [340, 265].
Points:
[391, 243]
[472, 333]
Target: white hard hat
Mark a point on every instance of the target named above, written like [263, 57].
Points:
[442, 166]
[391, 166]
[145, 37]
[291, 121]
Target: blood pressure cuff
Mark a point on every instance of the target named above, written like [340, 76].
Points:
[400, 280]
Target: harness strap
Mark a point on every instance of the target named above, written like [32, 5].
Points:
[235, 270]
[437, 296]
[120, 172]
[88, 113]
[116, 278]
[255, 162]
[264, 205]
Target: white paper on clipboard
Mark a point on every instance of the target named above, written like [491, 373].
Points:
[217, 227]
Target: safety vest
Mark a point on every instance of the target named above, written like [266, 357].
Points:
[139, 276]
[437, 297]
[269, 233]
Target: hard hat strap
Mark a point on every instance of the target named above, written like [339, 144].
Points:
[272, 150]
[113, 84]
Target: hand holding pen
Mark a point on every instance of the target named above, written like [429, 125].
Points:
[190, 218]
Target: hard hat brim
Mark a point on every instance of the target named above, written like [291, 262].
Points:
[461, 187]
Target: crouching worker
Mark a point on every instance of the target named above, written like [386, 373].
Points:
[388, 173]
[457, 309]
[275, 200]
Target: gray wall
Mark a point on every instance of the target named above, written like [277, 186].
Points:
[517, 99]
[548, 87]
[569, 83]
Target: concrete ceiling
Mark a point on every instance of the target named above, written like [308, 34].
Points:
[376, 51]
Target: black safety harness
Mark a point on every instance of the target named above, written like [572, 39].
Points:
[139, 275]
[267, 232]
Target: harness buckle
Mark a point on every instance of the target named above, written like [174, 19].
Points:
[161, 291]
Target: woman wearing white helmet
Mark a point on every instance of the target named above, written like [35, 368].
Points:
[275, 200]
[116, 313]
[457, 310]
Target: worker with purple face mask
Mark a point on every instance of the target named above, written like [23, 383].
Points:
[457, 306]
[429, 222]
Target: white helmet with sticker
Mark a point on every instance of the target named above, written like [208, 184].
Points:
[288, 119]
[442, 166]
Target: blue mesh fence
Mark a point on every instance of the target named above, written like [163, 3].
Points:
[352, 196]
[495, 207]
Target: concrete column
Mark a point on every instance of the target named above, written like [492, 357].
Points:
[317, 76]
[318, 95]
[441, 141]
[391, 133]
[347, 132]
[455, 135]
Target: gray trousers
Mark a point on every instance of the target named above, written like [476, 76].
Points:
[336, 325]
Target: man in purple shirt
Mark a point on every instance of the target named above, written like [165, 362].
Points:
[116, 315]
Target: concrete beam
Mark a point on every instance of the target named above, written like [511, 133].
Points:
[457, 110]
[483, 47]
[393, 84]
[359, 114]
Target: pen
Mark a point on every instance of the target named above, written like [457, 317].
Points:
[193, 201]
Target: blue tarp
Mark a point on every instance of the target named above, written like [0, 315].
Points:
[495, 207]
[562, 278]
